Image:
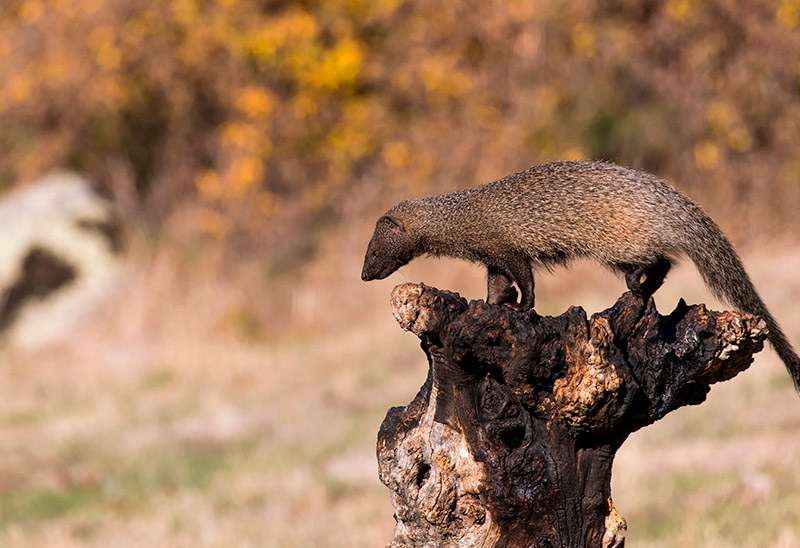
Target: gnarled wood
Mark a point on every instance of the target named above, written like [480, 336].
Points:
[511, 440]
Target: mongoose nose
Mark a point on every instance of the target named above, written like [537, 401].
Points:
[364, 275]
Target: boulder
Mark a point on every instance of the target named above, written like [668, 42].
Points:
[60, 256]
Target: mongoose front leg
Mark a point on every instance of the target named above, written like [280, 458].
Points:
[653, 275]
[500, 290]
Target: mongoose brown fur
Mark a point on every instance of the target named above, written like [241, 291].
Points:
[628, 220]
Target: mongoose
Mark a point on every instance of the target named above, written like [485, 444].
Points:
[628, 220]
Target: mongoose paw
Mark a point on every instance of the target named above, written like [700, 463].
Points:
[519, 307]
[509, 296]
[644, 280]
[506, 296]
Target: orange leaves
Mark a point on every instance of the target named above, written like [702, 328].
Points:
[238, 135]
[31, 11]
[18, 88]
[255, 101]
[209, 185]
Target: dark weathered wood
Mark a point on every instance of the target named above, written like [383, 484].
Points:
[511, 440]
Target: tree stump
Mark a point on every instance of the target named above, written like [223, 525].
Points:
[511, 439]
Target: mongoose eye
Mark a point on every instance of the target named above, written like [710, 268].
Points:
[375, 253]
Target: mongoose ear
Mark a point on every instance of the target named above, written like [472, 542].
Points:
[394, 221]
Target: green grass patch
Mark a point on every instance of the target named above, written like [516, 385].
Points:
[698, 509]
[122, 486]
[45, 504]
[158, 378]
[22, 419]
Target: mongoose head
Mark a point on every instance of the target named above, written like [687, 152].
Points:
[390, 248]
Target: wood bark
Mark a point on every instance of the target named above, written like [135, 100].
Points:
[511, 439]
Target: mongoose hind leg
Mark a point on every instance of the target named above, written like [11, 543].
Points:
[520, 269]
[653, 275]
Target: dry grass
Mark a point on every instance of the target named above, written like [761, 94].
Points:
[177, 422]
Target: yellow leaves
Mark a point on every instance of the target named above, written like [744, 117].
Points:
[56, 69]
[788, 13]
[238, 134]
[583, 40]
[109, 57]
[441, 80]
[213, 223]
[134, 32]
[724, 121]
[286, 31]
[261, 45]
[350, 140]
[719, 116]
[303, 105]
[299, 25]
[233, 193]
[245, 172]
[521, 10]
[59, 5]
[396, 154]
[546, 98]
[341, 65]
[88, 7]
[107, 54]
[236, 189]
[739, 139]
[294, 25]
[700, 53]
[185, 11]
[573, 154]
[488, 116]
[19, 88]
[726, 126]
[290, 43]
[247, 149]
[264, 202]
[208, 184]
[281, 77]
[706, 154]
[679, 10]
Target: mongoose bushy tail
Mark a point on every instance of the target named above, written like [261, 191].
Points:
[724, 273]
[628, 220]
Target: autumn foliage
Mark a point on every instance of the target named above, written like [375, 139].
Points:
[248, 119]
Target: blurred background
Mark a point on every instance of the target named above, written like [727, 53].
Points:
[187, 188]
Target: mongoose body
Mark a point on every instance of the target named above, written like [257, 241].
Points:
[628, 220]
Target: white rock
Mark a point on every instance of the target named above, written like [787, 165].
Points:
[58, 215]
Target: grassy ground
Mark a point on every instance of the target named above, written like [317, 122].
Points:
[163, 425]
